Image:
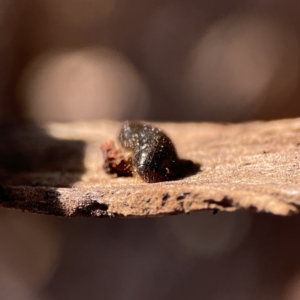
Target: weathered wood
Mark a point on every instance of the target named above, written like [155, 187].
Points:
[57, 169]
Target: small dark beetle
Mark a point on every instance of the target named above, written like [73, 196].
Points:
[154, 155]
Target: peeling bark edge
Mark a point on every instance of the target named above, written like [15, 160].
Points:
[65, 202]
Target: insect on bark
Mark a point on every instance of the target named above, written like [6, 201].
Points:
[153, 154]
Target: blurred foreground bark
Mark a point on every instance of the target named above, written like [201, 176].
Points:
[57, 169]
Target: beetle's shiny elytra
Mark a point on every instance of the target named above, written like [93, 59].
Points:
[154, 155]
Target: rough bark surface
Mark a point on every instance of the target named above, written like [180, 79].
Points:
[58, 169]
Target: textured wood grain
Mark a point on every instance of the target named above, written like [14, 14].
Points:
[57, 169]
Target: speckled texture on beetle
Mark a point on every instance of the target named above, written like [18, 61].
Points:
[154, 155]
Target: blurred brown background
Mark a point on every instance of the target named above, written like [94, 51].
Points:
[157, 60]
